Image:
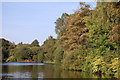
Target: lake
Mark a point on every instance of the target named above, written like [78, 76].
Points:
[39, 70]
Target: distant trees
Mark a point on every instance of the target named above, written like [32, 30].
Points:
[25, 52]
[22, 53]
[35, 43]
[38, 54]
[33, 51]
[6, 47]
[48, 48]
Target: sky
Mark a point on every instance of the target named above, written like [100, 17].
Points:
[27, 21]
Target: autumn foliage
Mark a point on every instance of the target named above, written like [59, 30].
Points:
[87, 40]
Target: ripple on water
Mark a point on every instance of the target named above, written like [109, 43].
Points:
[6, 75]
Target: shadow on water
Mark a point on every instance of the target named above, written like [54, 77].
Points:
[41, 70]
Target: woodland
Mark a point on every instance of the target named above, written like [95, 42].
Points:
[87, 40]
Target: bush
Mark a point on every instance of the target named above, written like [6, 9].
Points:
[11, 59]
[75, 59]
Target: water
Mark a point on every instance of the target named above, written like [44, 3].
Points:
[39, 70]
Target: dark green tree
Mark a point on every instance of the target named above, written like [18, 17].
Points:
[41, 57]
[6, 47]
[58, 53]
[59, 23]
[48, 48]
[22, 53]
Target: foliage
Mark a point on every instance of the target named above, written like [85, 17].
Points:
[75, 30]
[48, 48]
[88, 40]
[75, 59]
[103, 24]
[6, 47]
[98, 65]
[115, 34]
[114, 67]
[21, 53]
[102, 42]
[35, 58]
[11, 59]
[41, 57]
[58, 53]
[35, 43]
[59, 23]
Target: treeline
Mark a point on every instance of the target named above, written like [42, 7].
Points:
[28, 52]
[88, 40]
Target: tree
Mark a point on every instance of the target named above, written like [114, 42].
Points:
[75, 59]
[48, 48]
[38, 54]
[41, 57]
[35, 43]
[75, 31]
[58, 52]
[6, 47]
[100, 24]
[103, 37]
[115, 34]
[59, 23]
[22, 53]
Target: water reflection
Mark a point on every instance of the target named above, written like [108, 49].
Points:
[19, 64]
[41, 71]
